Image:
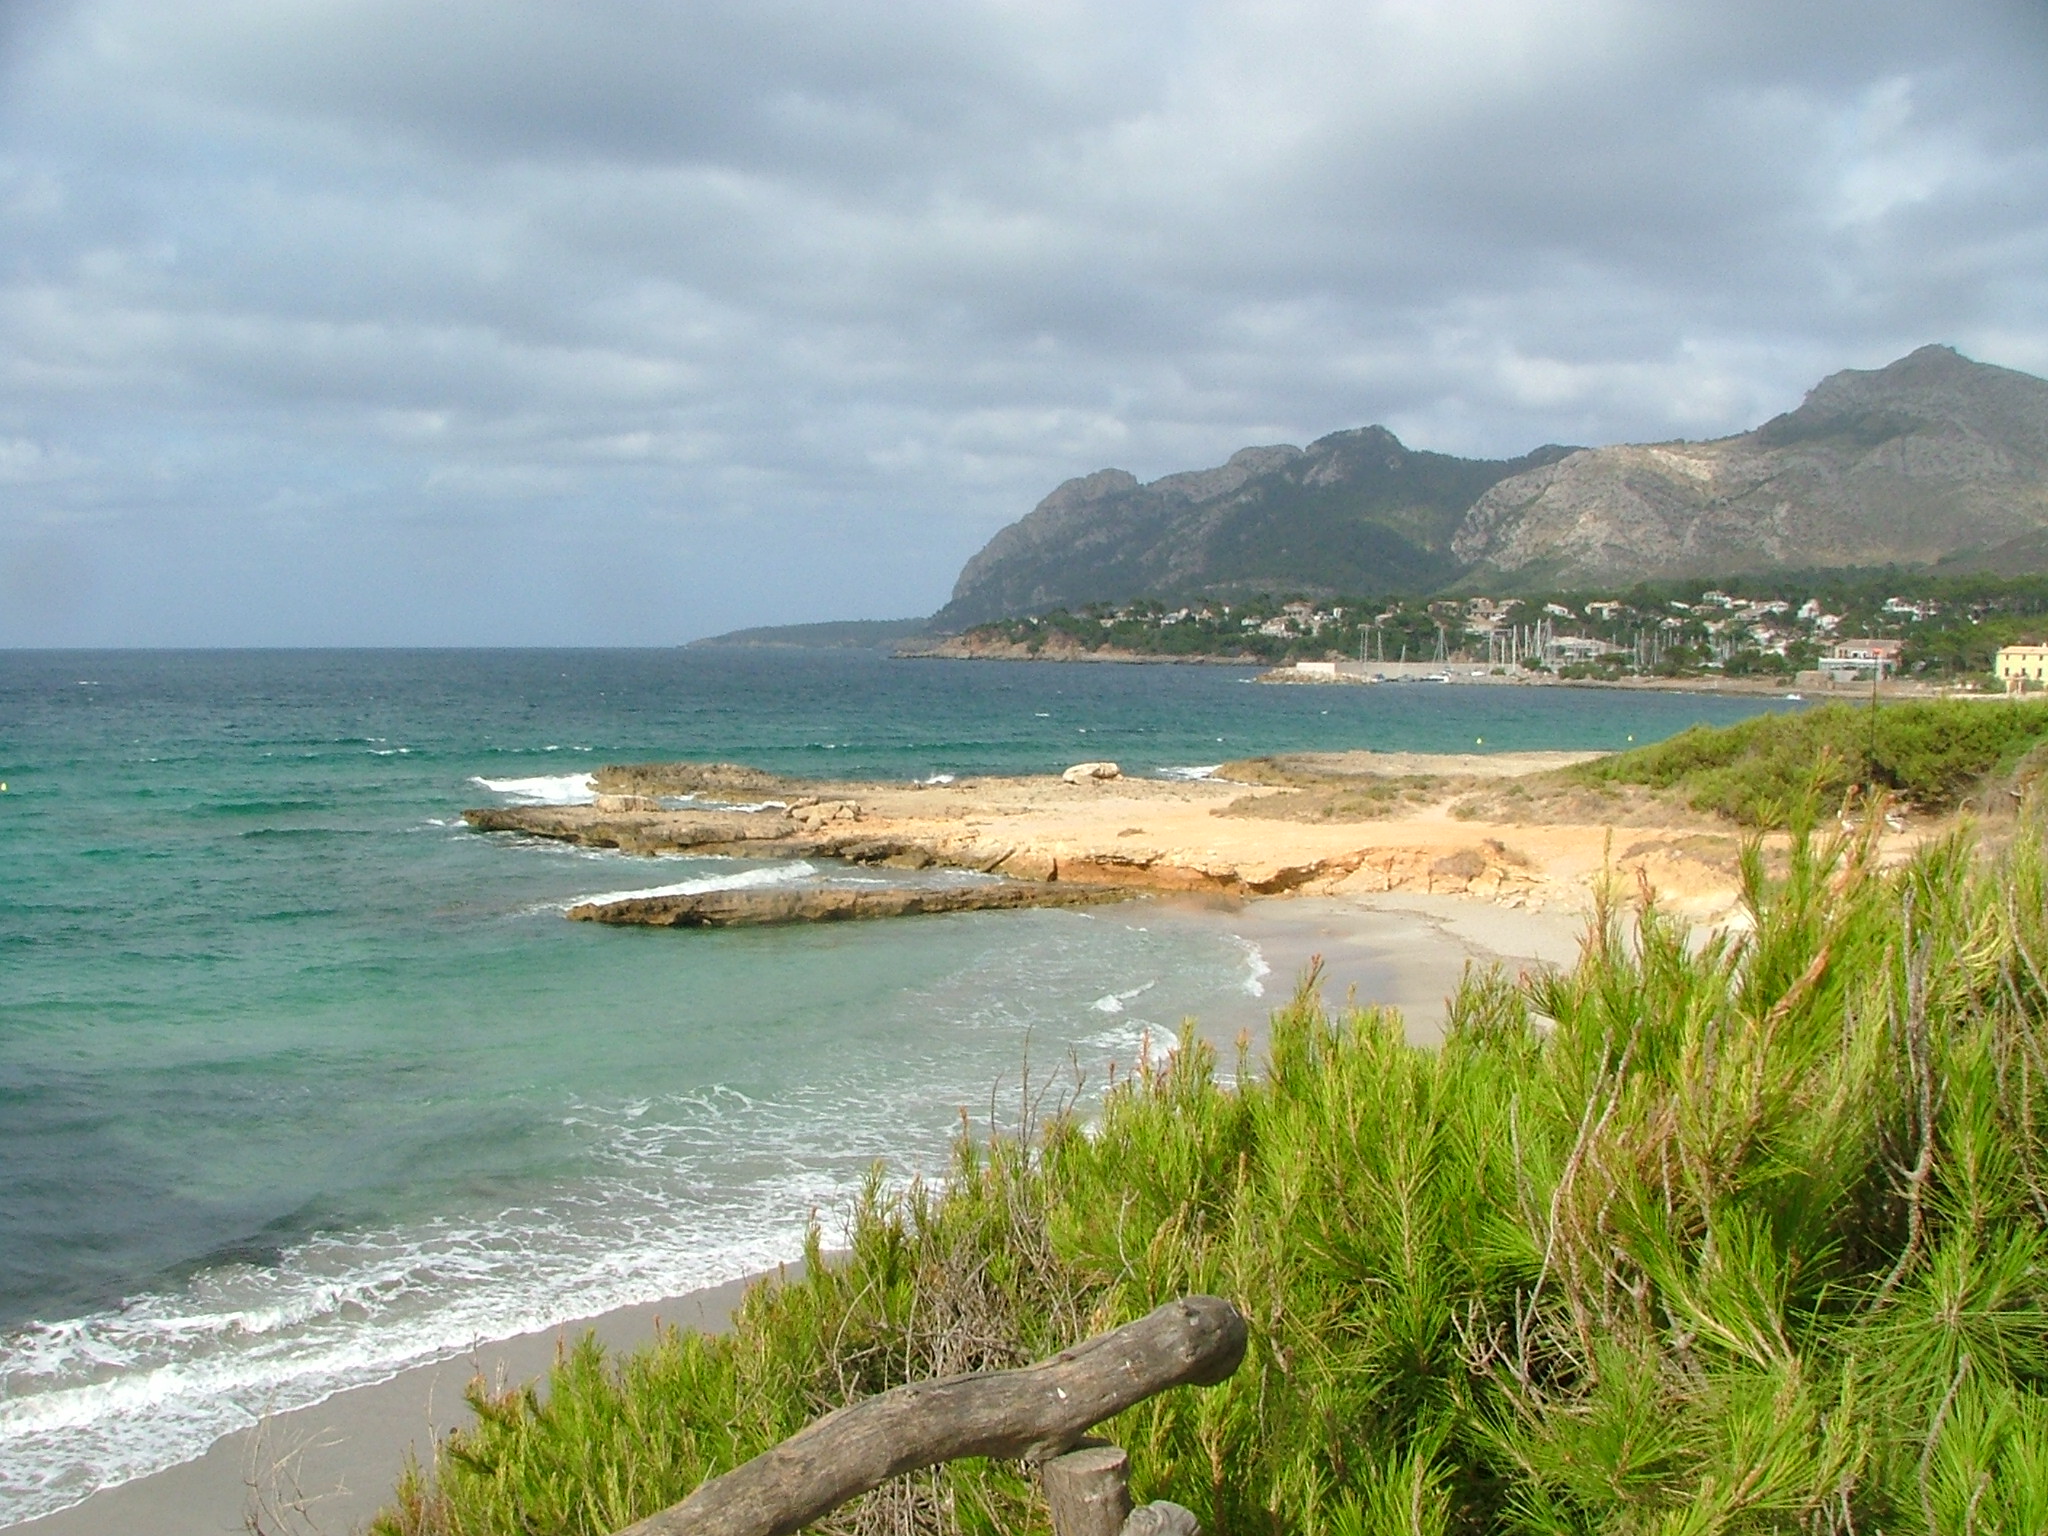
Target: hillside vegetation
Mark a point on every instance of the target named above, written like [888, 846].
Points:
[1748, 1235]
[1930, 754]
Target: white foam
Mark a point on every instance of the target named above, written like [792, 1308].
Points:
[1114, 1003]
[544, 789]
[776, 874]
[99, 1400]
[1256, 968]
[117, 1396]
[1208, 772]
[938, 778]
[1133, 1044]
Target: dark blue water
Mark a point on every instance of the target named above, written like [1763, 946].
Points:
[300, 1081]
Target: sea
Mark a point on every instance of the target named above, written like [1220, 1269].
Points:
[302, 1082]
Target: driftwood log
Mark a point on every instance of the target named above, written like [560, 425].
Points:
[1031, 1414]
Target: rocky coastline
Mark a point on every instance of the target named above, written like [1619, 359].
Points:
[1507, 829]
[971, 647]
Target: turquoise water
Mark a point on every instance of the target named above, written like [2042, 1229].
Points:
[301, 1082]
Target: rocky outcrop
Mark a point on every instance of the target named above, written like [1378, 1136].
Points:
[756, 833]
[835, 903]
[1051, 842]
[1909, 464]
[717, 780]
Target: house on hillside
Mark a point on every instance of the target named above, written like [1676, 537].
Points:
[1564, 650]
[1853, 661]
[2021, 667]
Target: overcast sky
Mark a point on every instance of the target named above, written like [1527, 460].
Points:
[515, 321]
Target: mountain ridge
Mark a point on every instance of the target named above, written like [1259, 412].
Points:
[1354, 506]
[1933, 458]
[1908, 464]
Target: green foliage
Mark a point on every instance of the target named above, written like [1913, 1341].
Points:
[1929, 753]
[1351, 628]
[1952, 625]
[1741, 1235]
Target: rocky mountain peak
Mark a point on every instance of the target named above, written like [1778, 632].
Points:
[1928, 457]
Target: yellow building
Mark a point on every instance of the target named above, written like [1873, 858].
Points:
[2021, 667]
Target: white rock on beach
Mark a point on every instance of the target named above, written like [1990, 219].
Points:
[1083, 773]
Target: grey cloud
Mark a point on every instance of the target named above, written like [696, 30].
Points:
[336, 321]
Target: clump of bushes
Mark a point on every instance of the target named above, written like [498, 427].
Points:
[1748, 1234]
[1928, 753]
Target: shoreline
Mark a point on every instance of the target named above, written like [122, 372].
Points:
[1754, 687]
[331, 1466]
[1506, 829]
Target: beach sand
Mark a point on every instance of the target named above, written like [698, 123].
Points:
[1405, 949]
[329, 1468]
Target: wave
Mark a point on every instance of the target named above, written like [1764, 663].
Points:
[775, 874]
[1114, 1003]
[664, 1209]
[1134, 1044]
[104, 1399]
[1208, 772]
[1256, 967]
[544, 789]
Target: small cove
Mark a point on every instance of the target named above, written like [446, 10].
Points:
[301, 1081]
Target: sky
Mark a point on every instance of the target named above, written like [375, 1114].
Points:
[511, 322]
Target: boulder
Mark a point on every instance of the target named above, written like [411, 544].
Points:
[818, 813]
[1091, 773]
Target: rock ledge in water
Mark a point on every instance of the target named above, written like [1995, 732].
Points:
[835, 903]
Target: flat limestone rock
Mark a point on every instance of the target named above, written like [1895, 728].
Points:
[636, 831]
[834, 903]
[735, 779]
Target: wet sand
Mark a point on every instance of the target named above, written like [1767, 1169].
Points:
[1404, 949]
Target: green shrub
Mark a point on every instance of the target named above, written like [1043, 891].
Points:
[1928, 753]
[1741, 1235]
